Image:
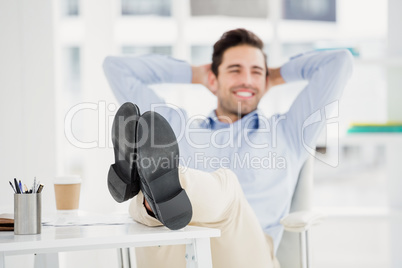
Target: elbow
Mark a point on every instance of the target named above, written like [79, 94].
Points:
[344, 60]
[346, 57]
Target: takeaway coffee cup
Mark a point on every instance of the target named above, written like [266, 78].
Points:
[67, 192]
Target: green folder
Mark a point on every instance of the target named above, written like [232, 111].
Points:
[375, 127]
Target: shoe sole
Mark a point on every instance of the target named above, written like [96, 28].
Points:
[158, 158]
[122, 181]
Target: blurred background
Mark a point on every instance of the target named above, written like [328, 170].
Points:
[56, 107]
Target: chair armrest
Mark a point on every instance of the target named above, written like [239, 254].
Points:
[301, 221]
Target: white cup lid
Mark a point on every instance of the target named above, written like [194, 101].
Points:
[67, 179]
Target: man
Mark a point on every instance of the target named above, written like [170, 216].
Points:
[235, 142]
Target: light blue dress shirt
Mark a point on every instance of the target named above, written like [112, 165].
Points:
[265, 153]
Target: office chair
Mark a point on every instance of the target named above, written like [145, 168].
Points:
[293, 250]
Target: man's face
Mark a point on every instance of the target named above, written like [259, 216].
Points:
[241, 81]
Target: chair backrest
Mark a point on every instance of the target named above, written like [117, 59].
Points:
[289, 248]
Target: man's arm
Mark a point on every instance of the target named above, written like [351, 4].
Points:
[130, 77]
[200, 76]
[327, 73]
[274, 78]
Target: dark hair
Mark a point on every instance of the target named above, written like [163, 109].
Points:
[234, 38]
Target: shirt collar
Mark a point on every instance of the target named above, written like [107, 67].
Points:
[250, 119]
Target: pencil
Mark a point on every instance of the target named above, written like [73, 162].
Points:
[12, 187]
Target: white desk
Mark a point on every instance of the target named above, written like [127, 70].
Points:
[57, 239]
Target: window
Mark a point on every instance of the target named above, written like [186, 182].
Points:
[320, 10]
[201, 55]
[70, 8]
[292, 49]
[146, 7]
[235, 8]
[72, 71]
[139, 50]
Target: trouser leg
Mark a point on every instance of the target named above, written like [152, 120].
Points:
[218, 202]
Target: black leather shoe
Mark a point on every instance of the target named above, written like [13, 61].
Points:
[122, 179]
[157, 164]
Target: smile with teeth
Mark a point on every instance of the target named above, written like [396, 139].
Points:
[244, 94]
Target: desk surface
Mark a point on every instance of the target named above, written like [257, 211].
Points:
[71, 238]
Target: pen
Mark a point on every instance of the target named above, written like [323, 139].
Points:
[16, 186]
[22, 191]
[25, 189]
[12, 187]
[40, 188]
[37, 186]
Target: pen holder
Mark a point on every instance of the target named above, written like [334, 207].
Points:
[27, 214]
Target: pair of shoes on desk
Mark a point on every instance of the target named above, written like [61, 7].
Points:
[146, 158]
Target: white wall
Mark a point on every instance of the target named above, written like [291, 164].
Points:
[27, 107]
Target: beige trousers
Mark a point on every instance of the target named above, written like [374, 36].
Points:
[218, 202]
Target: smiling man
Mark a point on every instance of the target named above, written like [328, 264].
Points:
[239, 81]
[238, 76]
[233, 178]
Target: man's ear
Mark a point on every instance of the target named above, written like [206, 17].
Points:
[212, 82]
